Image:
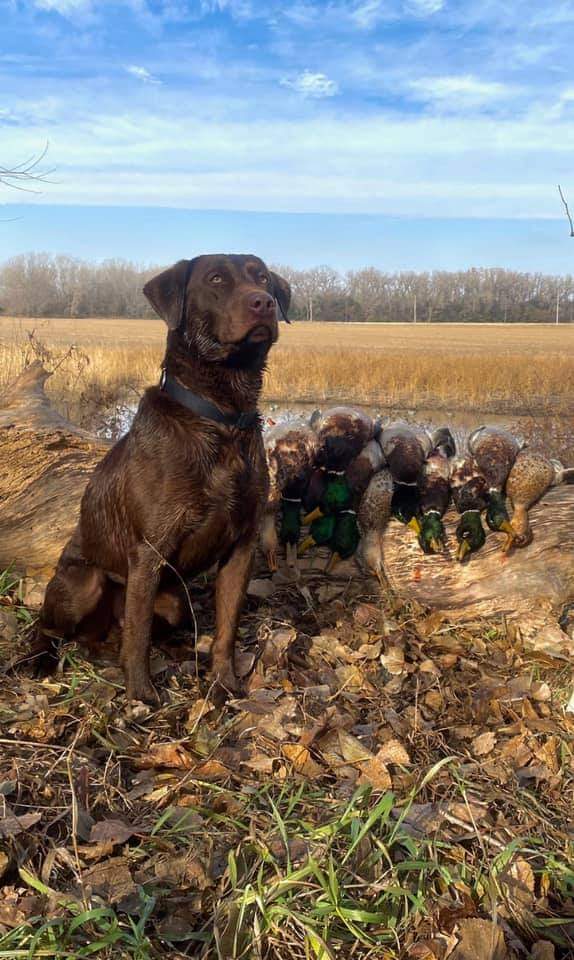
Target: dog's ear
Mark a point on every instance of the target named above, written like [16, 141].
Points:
[282, 293]
[166, 292]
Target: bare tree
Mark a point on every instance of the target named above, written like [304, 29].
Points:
[568, 214]
[25, 173]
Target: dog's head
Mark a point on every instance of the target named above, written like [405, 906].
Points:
[224, 307]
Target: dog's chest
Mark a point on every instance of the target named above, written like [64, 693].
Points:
[231, 504]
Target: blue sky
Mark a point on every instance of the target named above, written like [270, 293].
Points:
[439, 128]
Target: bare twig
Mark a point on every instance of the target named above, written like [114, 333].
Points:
[29, 171]
[568, 214]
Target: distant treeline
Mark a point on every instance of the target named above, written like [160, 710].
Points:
[40, 285]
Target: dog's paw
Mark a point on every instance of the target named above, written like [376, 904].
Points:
[226, 683]
[140, 687]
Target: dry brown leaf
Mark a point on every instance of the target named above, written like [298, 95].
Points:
[110, 879]
[479, 940]
[172, 755]
[11, 825]
[483, 744]
[541, 691]
[276, 646]
[393, 660]
[433, 700]
[302, 761]
[393, 752]
[543, 950]
[429, 666]
[211, 770]
[111, 831]
[376, 773]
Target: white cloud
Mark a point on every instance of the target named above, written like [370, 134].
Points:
[65, 7]
[462, 90]
[367, 13]
[424, 8]
[140, 73]
[315, 86]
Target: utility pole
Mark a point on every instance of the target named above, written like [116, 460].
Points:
[558, 304]
[310, 309]
[415, 309]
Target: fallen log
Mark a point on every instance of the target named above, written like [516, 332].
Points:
[46, 462]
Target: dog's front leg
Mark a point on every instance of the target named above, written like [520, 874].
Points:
[230, 587]
[143, 579]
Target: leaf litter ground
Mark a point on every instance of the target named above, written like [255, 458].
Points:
[390, 786]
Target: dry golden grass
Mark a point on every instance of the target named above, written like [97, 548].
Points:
[523, 369]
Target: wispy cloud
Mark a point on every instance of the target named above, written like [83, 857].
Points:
[141, 73]
[313, 85]
[466, 90]
[64, 7]
[424, 8]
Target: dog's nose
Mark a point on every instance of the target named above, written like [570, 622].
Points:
[261, 303]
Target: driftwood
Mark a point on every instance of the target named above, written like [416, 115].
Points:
[46, 461]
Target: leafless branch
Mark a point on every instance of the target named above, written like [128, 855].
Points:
[27, 172]
[568, 214]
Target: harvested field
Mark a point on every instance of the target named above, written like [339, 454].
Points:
[520, 369]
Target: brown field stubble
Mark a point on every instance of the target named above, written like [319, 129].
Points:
[526, 369]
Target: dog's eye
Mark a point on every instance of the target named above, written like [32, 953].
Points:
[216, 278]
[263, 278]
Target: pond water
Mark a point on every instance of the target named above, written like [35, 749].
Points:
[551, 434]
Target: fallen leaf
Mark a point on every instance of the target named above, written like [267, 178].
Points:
[376, 773]
[11, 825]
[393, 660]
[543, 950]
[483, 744]
[276, 645]
[165, 755]
[541, 691]
[111, 831]
[110, 879]
[301, 760]
[393, 752]
[262, 589]
[479, 940]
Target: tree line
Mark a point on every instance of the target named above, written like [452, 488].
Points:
[42, 285]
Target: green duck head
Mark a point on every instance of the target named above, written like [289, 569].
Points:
[345, 539]
[470, 534]
[290, 525]
[321, 533]
[432, 536]
[336, 496]
[497, 515]
[405, 505]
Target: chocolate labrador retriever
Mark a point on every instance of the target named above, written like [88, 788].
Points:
[184, 489]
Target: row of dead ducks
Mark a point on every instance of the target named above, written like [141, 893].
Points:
[343, 477]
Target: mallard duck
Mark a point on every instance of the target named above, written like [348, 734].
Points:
[345, 540]
[470, 495]
[343, 433]
[338, 531]
[494, 451]
[530, 477]
[364, 466]
[434, 490]
[290, 449]
[405, 448]
[373, 516]
[315, 489]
